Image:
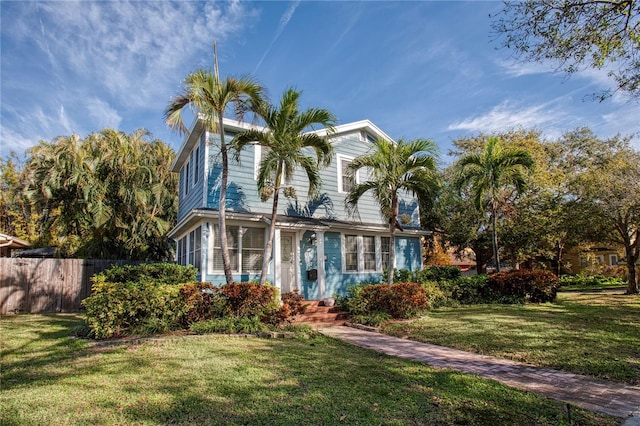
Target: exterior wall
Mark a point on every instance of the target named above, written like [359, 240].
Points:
[242, 193]
[193, 199]
[594, 257]
[243, 197]
[408, 253]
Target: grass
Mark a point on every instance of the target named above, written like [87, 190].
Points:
[596, 334]
[49, 378]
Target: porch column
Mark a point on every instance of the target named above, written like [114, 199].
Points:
[277, 259]
[320, 262]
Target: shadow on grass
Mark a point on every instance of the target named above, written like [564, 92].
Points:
[229, 381]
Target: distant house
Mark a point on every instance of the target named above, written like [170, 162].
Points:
[9, 243]
[318, 248]
[598, 256]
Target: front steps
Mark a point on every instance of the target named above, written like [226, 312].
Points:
[319, 316]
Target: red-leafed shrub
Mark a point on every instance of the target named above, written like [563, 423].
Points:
[407, 300]
[401, 300]
[201, 301]
[292, 305]
[535, 285]
[249, 299]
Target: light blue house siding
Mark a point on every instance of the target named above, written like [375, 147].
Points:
[315, 230]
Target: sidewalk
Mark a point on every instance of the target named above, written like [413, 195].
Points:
[597, 395]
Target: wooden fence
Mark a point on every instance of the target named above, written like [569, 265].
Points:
[47, 285]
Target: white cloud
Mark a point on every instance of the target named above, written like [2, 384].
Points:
[509, 114]
[103, 114]
[516, 68]
[132, 53]
[284, 20]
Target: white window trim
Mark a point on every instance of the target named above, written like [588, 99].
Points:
[611, 257]
[241, 230]
[339, 159]
[360, 253]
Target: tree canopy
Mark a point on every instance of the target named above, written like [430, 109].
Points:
[577, 34]
[110, 195]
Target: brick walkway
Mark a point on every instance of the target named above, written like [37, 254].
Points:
[586, 392]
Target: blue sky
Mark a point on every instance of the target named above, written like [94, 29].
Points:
[416, 69]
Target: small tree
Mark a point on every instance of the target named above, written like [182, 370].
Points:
[287, 149]
[210, 96]
[488, 174]
[394, 167]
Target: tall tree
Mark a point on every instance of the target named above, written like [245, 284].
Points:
[287, 149]
[110, 195]
[392, 168]
[489, 174]
[210, 97]
[606, 179]
[601, 34]
[17, 216]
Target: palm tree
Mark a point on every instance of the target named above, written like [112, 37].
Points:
[287, 149]
[395, 167]
[489, 174]
[210, 97]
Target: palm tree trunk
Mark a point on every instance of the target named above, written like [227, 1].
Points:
[494, 221]
[222, 204]
[266, 258]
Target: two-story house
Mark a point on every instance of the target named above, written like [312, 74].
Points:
[317, 248]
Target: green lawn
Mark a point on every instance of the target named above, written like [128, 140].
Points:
[597, 334]
[48, 378]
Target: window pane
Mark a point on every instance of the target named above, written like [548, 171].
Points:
[197, 258]
[347, 183]
[384, 251]
[351, 252]
[232, 243]
[252, 249]
[369, 253]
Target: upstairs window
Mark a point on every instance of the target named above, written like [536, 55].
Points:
[196, 164]
[186, 178]
[345, 183]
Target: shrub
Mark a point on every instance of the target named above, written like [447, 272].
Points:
[430, 273]
[407, 300]
[249, 299]
[469, 290]
[292, 305]
[590, 280]
[536, 285]
[401, 300]
[203, 301]
[114, 309]
[438, 294]
[229, 325]
[437, 273]
[158, 273]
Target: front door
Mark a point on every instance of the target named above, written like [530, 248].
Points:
[287, 262]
